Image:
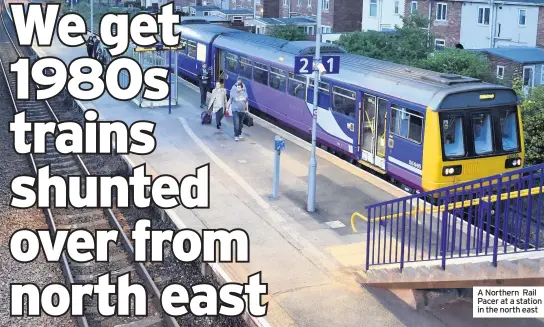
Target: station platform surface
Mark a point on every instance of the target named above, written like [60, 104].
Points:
[307, 259]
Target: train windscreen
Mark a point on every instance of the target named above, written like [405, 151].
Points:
[479, 132]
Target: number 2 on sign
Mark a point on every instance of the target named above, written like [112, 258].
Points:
[304, 68]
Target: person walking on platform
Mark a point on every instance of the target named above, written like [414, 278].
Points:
[96, 45]
[238, 82]
[218, 103]
[90, 45]
[237, 106]
[204, 84]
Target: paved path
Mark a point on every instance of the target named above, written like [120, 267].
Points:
[307, 259]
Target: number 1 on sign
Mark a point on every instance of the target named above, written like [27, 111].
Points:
[330, 61]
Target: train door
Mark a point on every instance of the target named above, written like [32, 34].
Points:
[373, 130]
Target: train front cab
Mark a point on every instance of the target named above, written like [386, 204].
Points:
[472, 135]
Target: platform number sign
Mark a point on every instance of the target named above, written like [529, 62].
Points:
[332, 64]
[304, 65]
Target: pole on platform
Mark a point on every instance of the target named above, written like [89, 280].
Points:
[92, 16]
[71, 5]
[312, 171]
[279, 144]
[169, 81]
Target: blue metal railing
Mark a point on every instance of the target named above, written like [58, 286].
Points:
[491, 216]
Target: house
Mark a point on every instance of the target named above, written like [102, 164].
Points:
[199, 11]
[337, 15]
[382, 15]
[236, 16]
[262, 8]
[476, 24]
[509, 63]
[511, 23]
[263, 25]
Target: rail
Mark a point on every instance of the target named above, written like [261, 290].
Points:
[140, 268]
[487, 217]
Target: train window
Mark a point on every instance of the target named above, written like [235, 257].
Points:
[183, 45]
[406, 123]
[245, 67]
[201, 52]
[509, 130]
[296, 86]
[191, 49]
[452, 136]
[482, 132]
[323, 98]
[260, 73]
[277, 79]
[343, 101]
[232, 63]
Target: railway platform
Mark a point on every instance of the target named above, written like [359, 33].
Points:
[307, 259]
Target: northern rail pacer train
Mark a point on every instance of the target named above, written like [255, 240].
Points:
[423, 129]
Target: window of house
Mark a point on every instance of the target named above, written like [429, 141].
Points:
[238, 19]
[373, 8]
[309, 30]
[441, 11]
[192, 49]
[206, 13]
[413, 7]
[285, 2]
[522, 17]
[260, 73]
[299, 2]
[325, 29]
[325, 4]
[406, 123]
[452, 136]
[245, 67]
[343, 101]
[542, 77]
[439, 44]
[483, 15]
[500, 72]
[277, 79]
[309, 3]
[482, 132]
[296, 86]
[232, 63]
[396, 7]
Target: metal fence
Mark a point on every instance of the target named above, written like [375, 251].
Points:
[494, 215]
[148, 59]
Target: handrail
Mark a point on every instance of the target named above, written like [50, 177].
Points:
[463, 204]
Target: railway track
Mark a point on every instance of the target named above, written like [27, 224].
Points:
[90, 219]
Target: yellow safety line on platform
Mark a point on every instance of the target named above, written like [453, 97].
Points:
[459, 205]
[356, 214]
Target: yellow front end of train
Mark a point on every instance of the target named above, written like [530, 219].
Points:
[472, 143]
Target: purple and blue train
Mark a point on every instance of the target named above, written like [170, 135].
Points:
[424, 129]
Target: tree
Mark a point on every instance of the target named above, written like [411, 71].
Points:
[289, 32]
[456, 61]
[533, 122]
[405, 45]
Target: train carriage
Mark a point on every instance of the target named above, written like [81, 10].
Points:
[424, 129]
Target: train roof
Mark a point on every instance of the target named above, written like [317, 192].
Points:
[204, 32]
[420, 86]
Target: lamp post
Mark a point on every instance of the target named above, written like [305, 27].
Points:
[92, 17]
[312, 171]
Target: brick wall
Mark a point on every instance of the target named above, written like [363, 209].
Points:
[450, 30]
[348, 15]
[342, 15]
[511, 69]
[540, 28]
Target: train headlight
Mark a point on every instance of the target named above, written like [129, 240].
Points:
[512, 163]
[452, 170]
